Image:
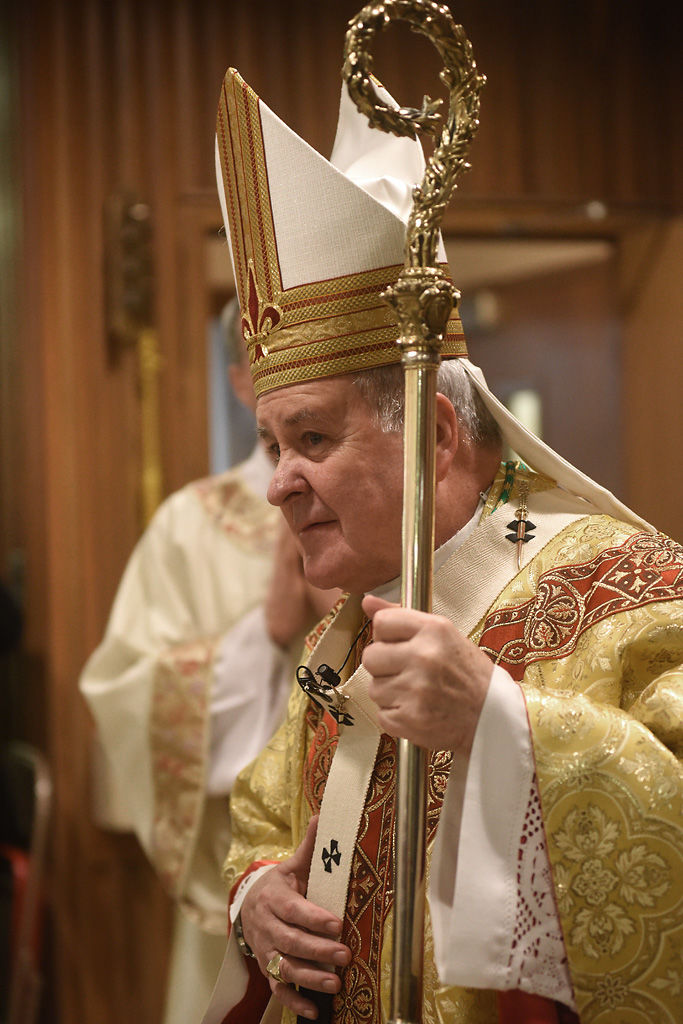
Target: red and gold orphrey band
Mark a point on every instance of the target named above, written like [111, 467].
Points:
[316, 329]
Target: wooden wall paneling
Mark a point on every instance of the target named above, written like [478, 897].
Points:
[162, 130]
[591, 106]
[653, 373]
[571, 87]
[73, 367]
[88, 520]
[130, 98]
[19, 675]
[575, 104]
[558, 334]
[497, 153]
[47, 372]
[672, 99]
[28, 491]
[634, 127]
[67, 401]
[123, 967]
[10, 241]
[186, 79]
[546, 91]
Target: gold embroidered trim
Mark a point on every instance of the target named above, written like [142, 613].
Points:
[178, 734]
[245, 517]
[511, 476]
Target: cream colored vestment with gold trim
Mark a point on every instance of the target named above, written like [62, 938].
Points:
[203, 565]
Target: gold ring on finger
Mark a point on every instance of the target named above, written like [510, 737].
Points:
[273, 968]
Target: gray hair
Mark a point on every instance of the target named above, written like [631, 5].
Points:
[382, 389]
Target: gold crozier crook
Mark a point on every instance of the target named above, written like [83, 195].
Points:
[423, 299]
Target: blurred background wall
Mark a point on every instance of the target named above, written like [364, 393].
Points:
[566, 239]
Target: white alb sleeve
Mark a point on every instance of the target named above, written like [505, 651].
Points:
[491, 899]
[251, 686]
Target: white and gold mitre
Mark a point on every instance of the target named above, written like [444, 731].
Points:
[314, 242]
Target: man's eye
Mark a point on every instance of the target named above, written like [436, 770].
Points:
[273, 452]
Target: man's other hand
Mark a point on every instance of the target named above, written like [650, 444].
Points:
[277, 918]
[292, 605]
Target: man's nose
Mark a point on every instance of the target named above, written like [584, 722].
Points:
[287, 479]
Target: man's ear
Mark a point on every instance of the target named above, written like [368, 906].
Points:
[447, 436]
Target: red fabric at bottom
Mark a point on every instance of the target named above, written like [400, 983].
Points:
[252, 1005]
[521, 1008]
[517, 1007]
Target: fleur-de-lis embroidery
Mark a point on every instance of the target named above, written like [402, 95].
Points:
[259, 320]
[333, 855]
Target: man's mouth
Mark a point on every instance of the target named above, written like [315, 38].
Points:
[307, 528]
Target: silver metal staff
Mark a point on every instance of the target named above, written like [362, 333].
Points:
[423, 299]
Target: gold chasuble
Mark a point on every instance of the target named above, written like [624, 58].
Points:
[591, 628]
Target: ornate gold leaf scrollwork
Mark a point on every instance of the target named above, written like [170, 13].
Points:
[464, 83]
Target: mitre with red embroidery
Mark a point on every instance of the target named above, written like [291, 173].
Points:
[314, 242]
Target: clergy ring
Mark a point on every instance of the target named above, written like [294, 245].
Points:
[273, 968]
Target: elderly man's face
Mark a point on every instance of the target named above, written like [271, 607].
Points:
[338, 480]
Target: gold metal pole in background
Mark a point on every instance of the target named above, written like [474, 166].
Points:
[423, 299]
[150, 365]
[129, 286]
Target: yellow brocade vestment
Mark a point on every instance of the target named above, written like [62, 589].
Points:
[592, 630]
